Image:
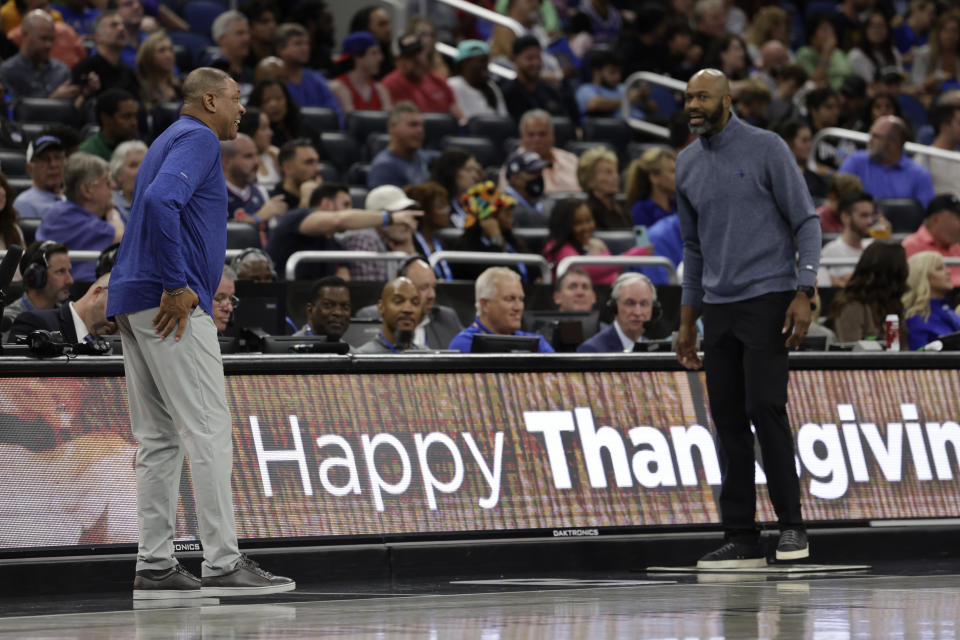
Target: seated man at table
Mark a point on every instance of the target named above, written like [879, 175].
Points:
[633, 296]
[328, 312]
[573, 291]
[399, 306]
[499, 300]
[81, 321]
[225, 300]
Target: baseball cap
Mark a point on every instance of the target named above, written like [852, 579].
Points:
[471, 49]
[854, 87]
[525, 161]
[408, 45]
[944, 201]
[358, 42]
[41, 144]
[388, 197]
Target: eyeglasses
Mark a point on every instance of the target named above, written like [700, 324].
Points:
[224, 299]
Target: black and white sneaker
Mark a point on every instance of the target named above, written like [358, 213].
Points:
[246, 579]
[165, 584]
[793, 545]
[735, 554]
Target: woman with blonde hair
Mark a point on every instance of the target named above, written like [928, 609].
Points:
[769, 23]
[156, 71]
[651, 186]
[600, 180]
[427, 31]
[927, 311]
[939, 59]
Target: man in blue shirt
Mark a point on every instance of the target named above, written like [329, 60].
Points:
[307, 86]
[403, 162]
[45, 160]
[499, 299]
[602, 97]
[167, 270]
[883, 168]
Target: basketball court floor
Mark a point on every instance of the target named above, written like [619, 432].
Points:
[888, 600]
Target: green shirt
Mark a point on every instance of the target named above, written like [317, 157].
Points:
[97, 145]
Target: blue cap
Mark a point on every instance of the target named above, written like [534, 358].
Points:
[358, 42]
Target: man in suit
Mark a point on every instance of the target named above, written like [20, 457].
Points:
[439, 324]
[634, 296]
[80, 321]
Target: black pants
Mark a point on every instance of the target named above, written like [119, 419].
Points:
[747, 370]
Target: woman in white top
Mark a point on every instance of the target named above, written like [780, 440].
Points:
[876, 52]
[256, 124]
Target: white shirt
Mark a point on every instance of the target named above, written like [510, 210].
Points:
[472, 101]
[946, 178]
[837, 248]
[625, 340]
[420, 333]
[78, 325]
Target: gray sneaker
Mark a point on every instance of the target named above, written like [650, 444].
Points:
[246, 579]
[164, 584]
[793, 545]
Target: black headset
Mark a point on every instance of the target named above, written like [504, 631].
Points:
[35, 272]
[50, 344]
[108, 258]
[656, 310]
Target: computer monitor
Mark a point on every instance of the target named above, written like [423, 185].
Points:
[950, 341]
[360, 332]
[496, 343]
[565, 330]
[814, 343]
[653, 346]
[303, 344]
[228, 344]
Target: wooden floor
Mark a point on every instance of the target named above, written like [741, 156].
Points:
[905, 601]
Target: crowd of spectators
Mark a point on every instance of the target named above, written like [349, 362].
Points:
[385, 141]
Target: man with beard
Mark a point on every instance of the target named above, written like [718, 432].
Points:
[328, 312]
[884, 169]
[857, 214]
[399, 306]
[745, 214]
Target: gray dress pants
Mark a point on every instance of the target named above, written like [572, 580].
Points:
[178, 406]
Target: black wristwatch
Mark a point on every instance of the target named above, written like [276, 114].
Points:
[810, 292]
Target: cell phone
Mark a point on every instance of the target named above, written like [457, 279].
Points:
[641, 236]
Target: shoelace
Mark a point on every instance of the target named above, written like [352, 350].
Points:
[250, 564]
[790, 537]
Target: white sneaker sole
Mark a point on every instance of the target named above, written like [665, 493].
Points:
[166, 594]
[742, 563]
[799, 554]
[225, 592]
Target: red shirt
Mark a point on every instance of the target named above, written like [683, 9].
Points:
[431, 93]
[921, 240]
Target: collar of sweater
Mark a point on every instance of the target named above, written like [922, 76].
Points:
[730, 132]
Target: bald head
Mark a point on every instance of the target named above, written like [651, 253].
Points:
[270, 68]
[400, 308]
[201, 81]
[707, 102]
[34, 19]
[887, 135]
[774, 55]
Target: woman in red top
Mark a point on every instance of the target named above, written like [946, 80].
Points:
[571, 234]
[355, 88]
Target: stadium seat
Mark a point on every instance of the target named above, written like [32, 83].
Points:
[613, 130]
[376, 142]
[242, 235]
[164, 114]
[194, 43]
[33, 129]
[339, 149]
[617, 241]
[449, 238]
[13, 164]
[904, 214]
[563, 131]
[29, 228]
[487, 153]
[358, 196]
[329, 172]
[200, 15]
[50, 110]
[437, 126]
[320, 118]
[579, 146]
[360, 124]
[666, 101]
[510, 145]
[534, 238]
[636, 149]
[492, 127]
[356, 175]
[913, 111]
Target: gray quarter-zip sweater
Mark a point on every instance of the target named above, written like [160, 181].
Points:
[745, 213]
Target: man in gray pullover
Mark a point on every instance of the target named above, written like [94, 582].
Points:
[745, 214]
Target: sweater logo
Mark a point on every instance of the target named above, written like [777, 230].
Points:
[740, 174]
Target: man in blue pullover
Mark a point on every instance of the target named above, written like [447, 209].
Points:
[745, 214]
[168, 268]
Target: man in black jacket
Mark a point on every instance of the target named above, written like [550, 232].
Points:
[80, 321]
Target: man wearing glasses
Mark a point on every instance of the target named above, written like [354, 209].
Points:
[225, 302]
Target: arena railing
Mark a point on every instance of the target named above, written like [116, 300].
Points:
[75, 256]
[486, 14]
[912, 148]
[630, 261]
[301, 257]
[651, 78]
[493, 259]
[851, 261]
